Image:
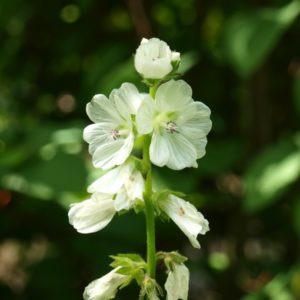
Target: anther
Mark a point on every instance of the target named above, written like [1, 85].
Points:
[115, 134]
[171, 127]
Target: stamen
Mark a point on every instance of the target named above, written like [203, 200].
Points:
[115, 134]
[171, 127]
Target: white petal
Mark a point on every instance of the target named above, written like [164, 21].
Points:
[134, 185]
[177, 284]
[144, 41]
[173, 96]
[93, 214]
[195, 126]
[100, 109]
[156, 69]
[97, 135]
[113, 153]
[182, 153]
[109, 183]
[132, 189]
[127, 98]
[122, 201]
[104, 288]
[186, 217]
[175, 56]
[144, 118]
[159, 150]
[152, 295]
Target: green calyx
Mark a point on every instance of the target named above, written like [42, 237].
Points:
[131, 265]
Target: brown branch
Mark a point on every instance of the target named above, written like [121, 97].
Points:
[139, 18]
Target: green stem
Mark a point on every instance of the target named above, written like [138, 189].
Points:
[150, 218]
[152, 91]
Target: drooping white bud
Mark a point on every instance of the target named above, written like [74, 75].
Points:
[186, 217]
[106, 287]
[177, 284]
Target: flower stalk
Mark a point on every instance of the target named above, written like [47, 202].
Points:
[149, 209]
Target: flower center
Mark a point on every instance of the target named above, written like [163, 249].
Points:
[171, 127]
[164, 121]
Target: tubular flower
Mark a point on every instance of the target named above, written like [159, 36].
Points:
[125, 182]
[186, 217]
[178, 123]
[93, 214]
[106, 287]
[177, 284]
[111, 138]
[154, 59]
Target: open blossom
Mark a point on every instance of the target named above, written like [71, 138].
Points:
[93, 214]
[106, 287]
[154, 59]
[186, 217]
[111, 137]
[177, 284]
[178, 124]
[125, 182]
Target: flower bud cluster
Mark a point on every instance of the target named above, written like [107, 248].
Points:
[177, 127]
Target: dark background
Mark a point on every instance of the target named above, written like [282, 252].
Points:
[242, 58]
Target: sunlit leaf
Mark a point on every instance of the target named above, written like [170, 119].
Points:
[250, 37]
[270, 174]
[49, 178]
[188, 60]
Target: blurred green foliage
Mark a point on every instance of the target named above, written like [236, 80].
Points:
[241, 58]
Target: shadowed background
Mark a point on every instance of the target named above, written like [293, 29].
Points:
[242, 59]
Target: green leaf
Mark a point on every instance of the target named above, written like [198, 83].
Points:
[48, 179]
[270, 174]
[188, 61]
[250, 37]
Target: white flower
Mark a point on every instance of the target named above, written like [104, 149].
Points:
[111, 138]
[179, 125]
[106, 287]
[177, 284]
[154, 58]
[186, 217]
[124, 181]
[93, 214]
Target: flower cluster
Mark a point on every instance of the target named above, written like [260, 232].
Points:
[174, 128]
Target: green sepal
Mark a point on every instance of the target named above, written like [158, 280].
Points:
[171, 258]
[137, 161]
[161, 195]
[131, 265]
[139, 206]
[152, 82]
[122, 212]
[175, 64]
